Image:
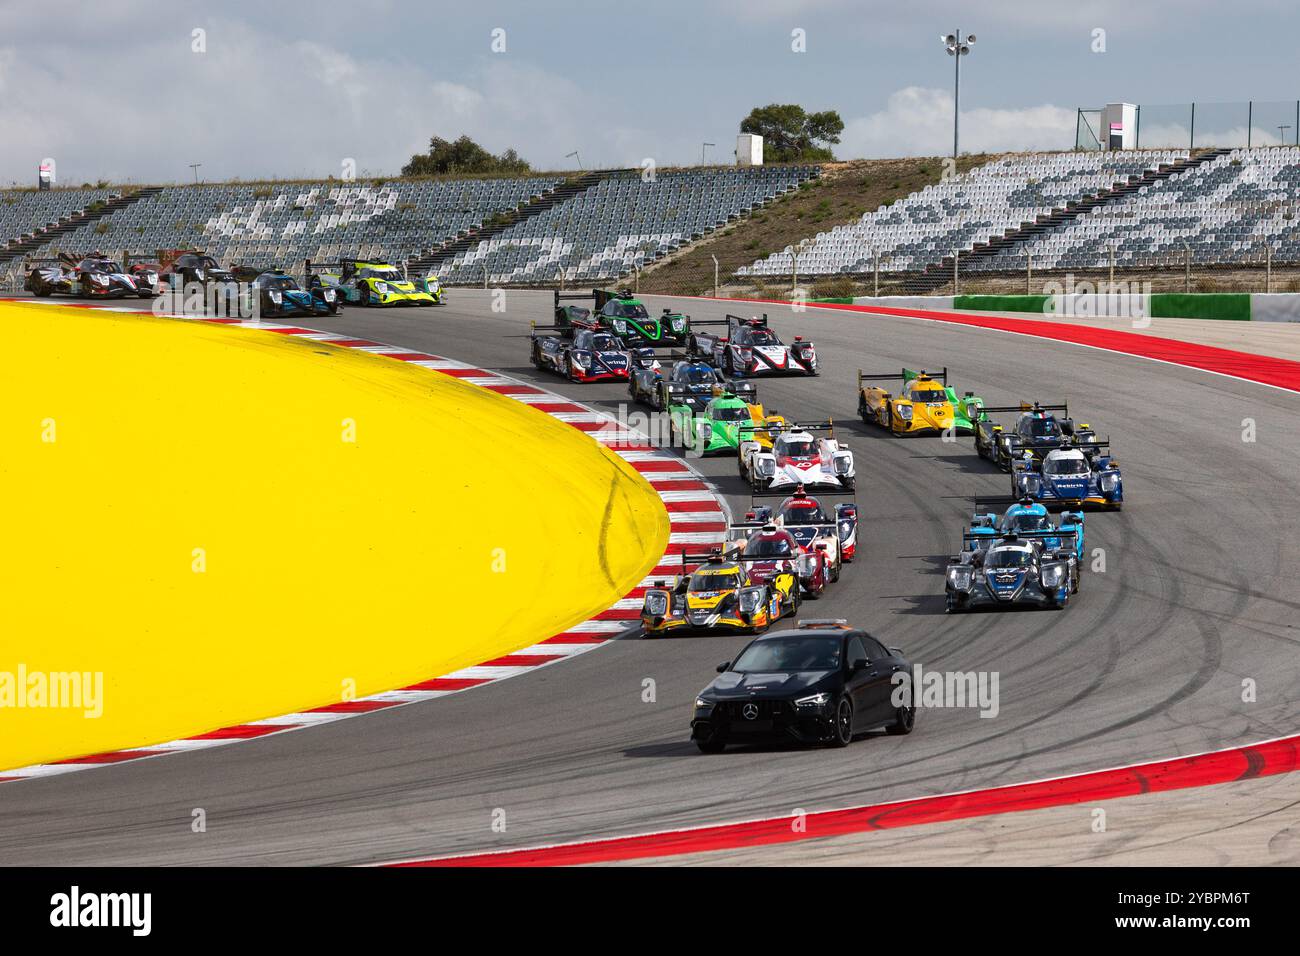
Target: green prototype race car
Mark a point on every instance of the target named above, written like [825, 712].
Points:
[965, 410]
[625, 316]
[361, 282]
[729, 418]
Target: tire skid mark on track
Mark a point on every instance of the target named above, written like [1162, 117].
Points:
[703, 521]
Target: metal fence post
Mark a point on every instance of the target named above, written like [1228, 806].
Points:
[636, 278]
[485, 277]
[715, 275]
[1268, 268]
[1187, 268]
[875, 272]
[794, 270]
[1029, 273]
[1110, 285]
[956, 280]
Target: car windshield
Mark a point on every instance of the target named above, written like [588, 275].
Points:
[1042, 428]
[803, 514]
[928, 395]
[729, 413]
[283, 283]
[1065, 466]
[388, 275]
[798, 448]
[715, 580]
[1008, 558]
[763, 337]
[1027, 522]
[101, 265]
[788, 655]
[633, 310]
[697, 375]
[604, 343]
[776, 546]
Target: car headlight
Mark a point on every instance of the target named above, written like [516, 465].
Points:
[960, 576]
[842, 464]
[678, 324]
[1109, 482]
[276, 296]
[703, 703]
[620, 326]
[749, 600]
[814, 700]
[1053, 575]
[198, 274]
[765, 467]
[904, 412]
[98, 279]
[656, 604]
[581, 359]
[382, 288]
[329, 295]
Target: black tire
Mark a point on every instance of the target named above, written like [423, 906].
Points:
[44, 292]
[842, 732]
[364, 297]
[711, 746]
[904, 722]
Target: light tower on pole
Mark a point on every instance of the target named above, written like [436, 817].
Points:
[957, 47]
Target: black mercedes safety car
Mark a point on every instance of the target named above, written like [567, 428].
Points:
[821, 683]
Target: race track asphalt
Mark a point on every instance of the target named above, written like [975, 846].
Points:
[1197, 596]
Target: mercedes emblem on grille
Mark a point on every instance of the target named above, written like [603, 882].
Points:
[750, 711]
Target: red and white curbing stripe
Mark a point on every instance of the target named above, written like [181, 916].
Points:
[697, 512]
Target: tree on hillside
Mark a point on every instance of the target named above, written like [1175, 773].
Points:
[462, 156]
[793, 135]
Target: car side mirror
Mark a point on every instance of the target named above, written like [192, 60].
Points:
[858, 665]
[722, 668]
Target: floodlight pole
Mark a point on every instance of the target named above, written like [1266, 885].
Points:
[957, 47]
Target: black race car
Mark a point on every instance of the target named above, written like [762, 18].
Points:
[189, 267]
[625, 316]
[686, 383]
[96, 277]
[821, 683]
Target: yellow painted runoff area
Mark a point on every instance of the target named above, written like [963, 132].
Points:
[222, 525]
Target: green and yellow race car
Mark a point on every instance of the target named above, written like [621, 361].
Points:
[723, 423]
[924, 403]
[361, 282]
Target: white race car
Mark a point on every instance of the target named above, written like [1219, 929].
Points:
[751, 348]
[798, 458]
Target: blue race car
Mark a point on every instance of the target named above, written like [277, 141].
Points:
[686, 383]
[1029, 515]
[278, 294]
[1012, 570]
[1076, 473]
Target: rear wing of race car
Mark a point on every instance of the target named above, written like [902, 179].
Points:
[745, 391]
[131, 258]
[558, 330]
[579, 296]
[45, 261]
[775, 429]
[312, 265]
[1047, 445]
[904, 375]
[249, 273]
[1028, 407]
[1019, 536]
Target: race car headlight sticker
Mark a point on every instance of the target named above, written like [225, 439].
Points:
[749, 600]
[1053, 575]
[842, 464]
[814, 700]
[765, 466]
[656, 603]
[1109, 482]
[960, 577]
[904, 412]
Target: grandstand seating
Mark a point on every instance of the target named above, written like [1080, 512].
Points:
[1226, 211]
[959, 212]
[283, 224]
[622, 222]
[23, 211]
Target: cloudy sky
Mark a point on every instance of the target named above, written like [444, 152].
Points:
[124, 91]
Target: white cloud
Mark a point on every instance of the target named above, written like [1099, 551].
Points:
[917, 121]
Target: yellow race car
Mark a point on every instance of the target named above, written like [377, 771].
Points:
[373, 283]
[925, 403]
[719, 595]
